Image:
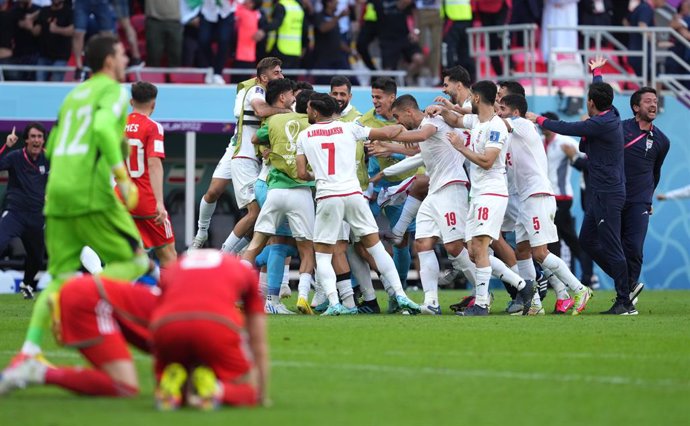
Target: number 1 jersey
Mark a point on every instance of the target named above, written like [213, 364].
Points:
[145, 138]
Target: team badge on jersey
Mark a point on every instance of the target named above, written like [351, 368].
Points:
[493, 136]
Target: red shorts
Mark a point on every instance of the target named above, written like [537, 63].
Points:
[91, 327]
[200, 342]
[155, 236]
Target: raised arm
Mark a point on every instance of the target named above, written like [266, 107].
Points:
[418, 135]
[263, 110]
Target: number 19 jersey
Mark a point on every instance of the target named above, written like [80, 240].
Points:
[330, 148]
[145, 138]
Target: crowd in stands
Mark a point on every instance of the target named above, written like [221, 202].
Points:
[419, 36]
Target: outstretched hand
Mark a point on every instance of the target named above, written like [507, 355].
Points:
[12, 138]
[597, 62]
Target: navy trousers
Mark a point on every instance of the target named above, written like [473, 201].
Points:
[635, 221]
[29, 228]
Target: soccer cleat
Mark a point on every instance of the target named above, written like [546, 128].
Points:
[563, 306]
[635, 291]
[431, 309]
[336, 310]
[466, 302]
[206, 391]
[535, 310]
[199, 240]
[27, 291]
[474, 311]
[515, 308]
[285, 291]
[30, 371]
[621, 309]
[542, 286]
[277, 309]
[168, 393]
[369, 307]
[405, 304]
[303, 306]
[581, 299]
[393, 307]
[394, 239]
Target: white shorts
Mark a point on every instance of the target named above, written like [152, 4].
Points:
[224, 168]
[485, 216]
[536, 221]
[296, 204]
[244, 174]
[510, 219]
[332, 211]
[443, 214]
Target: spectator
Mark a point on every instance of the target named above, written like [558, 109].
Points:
[6, 33]
[330, 51]
[642, 16]
[190, 18]
[217, 25]
[558, 13]
[492, 13]
[23, 215]
[286, 32]
[595, 12]
[430, 25]
[105, 23]
[249, 21]
[163, 32]
[367, 34]
[459, 13]
[680, 23]
[395, 38]
[121, 8]
[24, 15]
[55, 30]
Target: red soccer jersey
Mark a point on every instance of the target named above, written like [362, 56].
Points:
[145, 141]
[207, 284]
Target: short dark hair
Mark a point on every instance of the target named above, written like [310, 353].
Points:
[601, 94]
[341, 80]
[324, 104]
[551, 115]
[34, 125]
[517, 102]
[302, 85]
[386, 84]
[636, 97]
[144, 92]
[98, 49]
[458, 74]
[486, 90]
[277, 87]
[513, 87]
[405, 101]
[302, 100]
[266, 64]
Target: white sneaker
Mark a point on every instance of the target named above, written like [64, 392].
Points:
[29, 372]
[199, 240]
[285, 291]
[218, 79]
[430, 309]
[278, 309]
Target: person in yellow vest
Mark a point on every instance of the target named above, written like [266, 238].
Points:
[286, 32]
[456, 40]
[250, 108]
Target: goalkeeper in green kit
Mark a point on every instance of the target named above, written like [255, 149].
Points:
[85, 149]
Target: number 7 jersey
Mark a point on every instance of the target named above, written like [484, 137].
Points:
[145, 138]
[84, 146]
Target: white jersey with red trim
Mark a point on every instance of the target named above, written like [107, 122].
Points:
[443, 162]
[559, 165]
[251, 122]
[330, 148]
[528, 159]
[489, 134]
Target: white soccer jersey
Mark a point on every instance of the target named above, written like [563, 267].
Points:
[528, 160]
[443, 162]
[559, 166]
[250, 121]
[490, 134]
[330, 148]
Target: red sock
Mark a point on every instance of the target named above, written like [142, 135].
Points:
[239, 394]
[87, 381]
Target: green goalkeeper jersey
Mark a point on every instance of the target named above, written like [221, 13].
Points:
[85, 144]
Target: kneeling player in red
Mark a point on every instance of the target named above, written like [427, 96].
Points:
[198, 334]
[99, 317]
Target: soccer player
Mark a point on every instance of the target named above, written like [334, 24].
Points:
[250, 108]
[341, 91]
[85, 149]
[602, 141]
[145, 165]
[329, 146]
[535, 226]
[200, 334]
[97, 316]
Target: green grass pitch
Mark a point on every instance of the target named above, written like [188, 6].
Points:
[401, 370]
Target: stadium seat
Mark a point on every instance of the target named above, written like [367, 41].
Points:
[186, 78]
[151, 77]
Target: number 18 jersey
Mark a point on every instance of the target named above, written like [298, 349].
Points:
[330, 148]
[145, 138]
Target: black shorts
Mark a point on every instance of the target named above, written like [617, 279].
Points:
[391, 50]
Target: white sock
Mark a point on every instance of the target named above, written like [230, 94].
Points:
[526, 269]
[325, 275]
[515, 269]
[556, 284]
[31, 349]
[304, 285]
[556, 265]
[428, 273]
[505, 274]
[386, 267]
[230, 243]
[464, 264]
[387, 286]
[536, 300]
[482, 287]
[244, 242]
[409, 212]
[91, 261]
[346, 294]
[263, 283]
[273, 299]
[362, 273]
[205, 212]
[286, 275]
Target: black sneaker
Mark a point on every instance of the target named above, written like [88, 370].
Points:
[369, 307]
[635, 291]
[524, 297]
[463, 304]
[542, 286]
[358, 295]
[474, 311]
[621, 309]
[27, 291]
